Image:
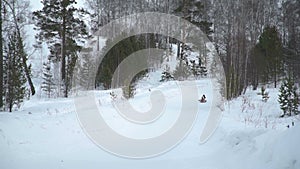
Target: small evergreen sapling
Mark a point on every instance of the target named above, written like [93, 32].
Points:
[195, 69]
[198, 70]
[86, 74]
[283, 98]
[288, 97]
[203, 71]
[264, 94]
[128, 90]
[47, 85]
[296, 100]
[166, 75]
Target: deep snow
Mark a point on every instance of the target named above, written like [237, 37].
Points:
[46, 134]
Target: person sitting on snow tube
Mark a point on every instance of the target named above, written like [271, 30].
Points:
[203, 99]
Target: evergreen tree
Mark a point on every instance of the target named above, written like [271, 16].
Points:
[264, 94]
[116, 55]
[283, 98]
[203, 71]
[270, 49]
[195, 12]
[295, 104]
[48, 84]
[166, 75]
[87, 68]
[14, 76]
[182, 72]
[288, 97]
[195, 68]
[62, 30]
[14, 18]
[129, 90]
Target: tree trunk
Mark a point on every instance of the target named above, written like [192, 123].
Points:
[63, 55]
[1, 59]
[24, 62]
[10, 107]
[27, 71]
[178, 49]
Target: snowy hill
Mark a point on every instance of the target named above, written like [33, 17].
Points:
[46, 134]
[56, 132]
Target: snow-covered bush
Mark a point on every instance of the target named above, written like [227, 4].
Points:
[288, 97]
[264, 94]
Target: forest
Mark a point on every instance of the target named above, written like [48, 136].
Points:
[258, 42]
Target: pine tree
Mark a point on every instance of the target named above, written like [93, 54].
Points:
[62, 31]
[198, 69]
[195, 68]
[203, 71]
[87, 68]
[14, 14]
[264, 94]
[14, 76]
[48, 84]
[283, 98]
[295, 104]
[115, 56]
[166, 75]
[128, 90]
[270, 49]
[194, 12]
[182, 71]
[288, 97]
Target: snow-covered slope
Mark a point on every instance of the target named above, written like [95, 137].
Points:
[46, 134]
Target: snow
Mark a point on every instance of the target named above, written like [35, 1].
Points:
[46, 133]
